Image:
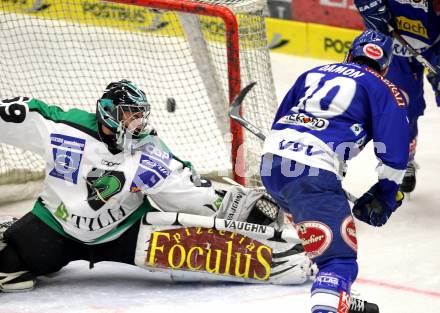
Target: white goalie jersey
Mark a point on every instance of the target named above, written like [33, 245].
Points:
[93, 194]
[89, 193]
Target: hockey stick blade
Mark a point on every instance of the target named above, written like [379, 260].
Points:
[234, 112]
[414, 53]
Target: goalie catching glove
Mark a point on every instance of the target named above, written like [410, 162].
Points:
[250, 205]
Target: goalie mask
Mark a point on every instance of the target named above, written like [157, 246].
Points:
[374, 46]
[124, 109]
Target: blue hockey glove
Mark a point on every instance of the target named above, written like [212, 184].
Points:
[375, 14]
[372, 208]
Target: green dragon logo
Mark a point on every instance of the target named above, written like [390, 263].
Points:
[102, 185]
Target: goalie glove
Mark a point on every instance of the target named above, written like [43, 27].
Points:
[249, 205]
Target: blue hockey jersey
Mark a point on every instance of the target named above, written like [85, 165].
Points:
[333, 111]
[417, 21]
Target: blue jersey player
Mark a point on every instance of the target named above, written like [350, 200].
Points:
[419, 23]
[326, 118]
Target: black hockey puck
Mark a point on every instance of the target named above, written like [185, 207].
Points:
[171, 105]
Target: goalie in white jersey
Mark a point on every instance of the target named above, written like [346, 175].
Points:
[102, 171]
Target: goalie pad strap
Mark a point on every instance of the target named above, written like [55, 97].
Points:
[254, 231]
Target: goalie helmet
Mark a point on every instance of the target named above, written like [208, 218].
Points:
[124, 109]
[374, 46]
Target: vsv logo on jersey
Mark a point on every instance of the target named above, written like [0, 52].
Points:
[301, 119]
[67, 153]
[299, 147]
[399, 49]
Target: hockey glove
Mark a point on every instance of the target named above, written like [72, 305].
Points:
[375, 14]
[373, 208]
[250, 205]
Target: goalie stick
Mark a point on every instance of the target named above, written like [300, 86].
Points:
[234, 113]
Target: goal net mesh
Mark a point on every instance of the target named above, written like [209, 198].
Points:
[66, 52]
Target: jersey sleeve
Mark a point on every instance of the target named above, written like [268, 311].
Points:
[180, 194]
[390, 129]
[170, 183]
[22, 125]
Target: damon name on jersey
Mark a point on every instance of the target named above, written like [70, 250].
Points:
[333, 111]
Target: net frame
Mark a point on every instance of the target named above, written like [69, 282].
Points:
[233, 60]
[211, 8]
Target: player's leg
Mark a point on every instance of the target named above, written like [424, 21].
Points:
[122, 249]
[33, 249]
[324, 223]
[13, 275]
[407, 74]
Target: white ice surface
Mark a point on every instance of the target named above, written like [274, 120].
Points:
[398, 262]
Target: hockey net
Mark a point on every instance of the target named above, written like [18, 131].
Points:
[195, 53]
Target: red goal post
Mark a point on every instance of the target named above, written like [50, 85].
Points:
[233, 60]
[191, 57]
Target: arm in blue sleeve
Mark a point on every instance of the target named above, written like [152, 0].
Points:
[391, 140]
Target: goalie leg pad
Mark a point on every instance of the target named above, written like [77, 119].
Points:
[41, 249]
[209, 252]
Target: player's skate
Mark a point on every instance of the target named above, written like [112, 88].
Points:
[362, 306]
[18, 281]
[409, 180]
